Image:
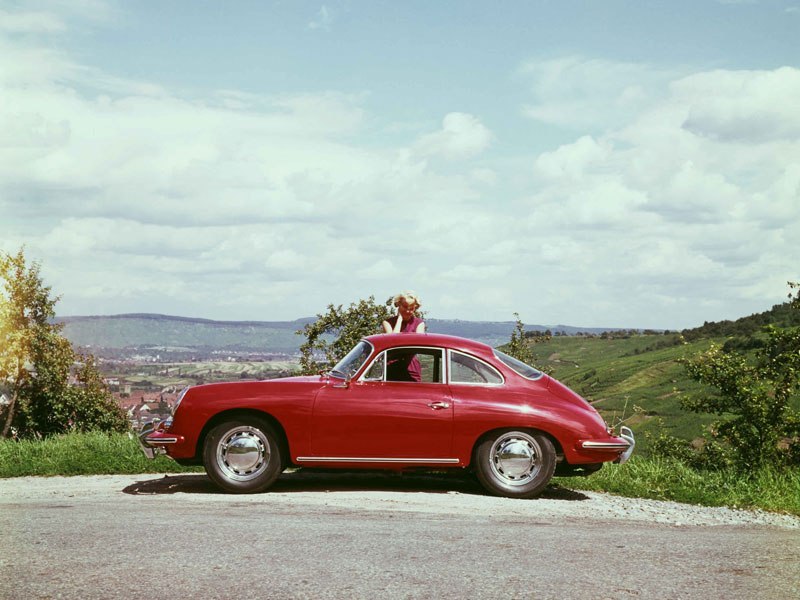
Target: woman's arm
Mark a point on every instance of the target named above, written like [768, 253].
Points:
[398, 324]
[421, 327]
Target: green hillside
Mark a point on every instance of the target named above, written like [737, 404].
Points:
[635, 379]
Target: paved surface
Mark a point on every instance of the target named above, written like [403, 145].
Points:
[364, 536]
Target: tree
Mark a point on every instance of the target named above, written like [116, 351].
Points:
[519, 347]
[36, 362]
[25, 308]
[345, 326]
[756, 393]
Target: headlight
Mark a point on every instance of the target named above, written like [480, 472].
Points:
[168, 422]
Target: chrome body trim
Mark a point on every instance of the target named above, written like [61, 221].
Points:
[159, 441]
[605, 445]
[349, 459]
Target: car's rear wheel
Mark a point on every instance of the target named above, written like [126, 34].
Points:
[514, 463]
[242, 456]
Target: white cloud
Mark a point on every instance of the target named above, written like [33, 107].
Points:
[694, 198]
[138, 151]
[590, 94]
[323, 19]
[742, 106]
[461, 136]
[572, 160]
[679, 195]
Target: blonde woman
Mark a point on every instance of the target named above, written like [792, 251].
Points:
[405, 367]
[406, 320]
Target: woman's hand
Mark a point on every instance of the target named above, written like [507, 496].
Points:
[398, 324]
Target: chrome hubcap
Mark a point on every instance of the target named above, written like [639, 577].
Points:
[243, 453]
[515, 458]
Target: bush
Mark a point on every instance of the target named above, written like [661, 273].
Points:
[754, 395]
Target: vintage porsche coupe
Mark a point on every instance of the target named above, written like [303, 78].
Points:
[469, 406]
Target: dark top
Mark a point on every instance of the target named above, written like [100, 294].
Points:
[404, 368]
[409, 326]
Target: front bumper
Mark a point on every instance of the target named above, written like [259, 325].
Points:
[154, 440]
[624, 443]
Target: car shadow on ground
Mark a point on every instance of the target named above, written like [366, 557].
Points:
[339, 481]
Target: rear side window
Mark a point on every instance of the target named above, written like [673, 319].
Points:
[467, 369]
[520, 367]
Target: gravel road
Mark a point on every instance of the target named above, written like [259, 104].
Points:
[323, 535]
[414, 493]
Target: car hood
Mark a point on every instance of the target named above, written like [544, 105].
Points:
[287, 387]
[299, 379]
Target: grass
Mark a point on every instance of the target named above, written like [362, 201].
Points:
[665, 479]
[80, 454]
[641, 477]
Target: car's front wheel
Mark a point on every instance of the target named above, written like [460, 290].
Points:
[514, 463]
[242, 456]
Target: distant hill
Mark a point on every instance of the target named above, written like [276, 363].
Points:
[142, 330]
[183, 333]
[780, 315]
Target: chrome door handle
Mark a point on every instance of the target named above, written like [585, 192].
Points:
[439, 405]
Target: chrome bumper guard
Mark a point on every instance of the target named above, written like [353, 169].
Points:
[626, 434]
[153, 446]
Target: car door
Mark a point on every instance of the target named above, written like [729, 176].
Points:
[377, 418]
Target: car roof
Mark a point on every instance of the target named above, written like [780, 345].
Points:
[390, 340]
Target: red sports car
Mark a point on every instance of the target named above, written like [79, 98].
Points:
[464, 405]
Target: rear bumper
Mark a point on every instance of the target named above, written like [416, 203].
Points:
[154, 441]
[624, 444]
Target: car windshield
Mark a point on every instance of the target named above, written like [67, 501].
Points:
[518, 366]
[349, 365]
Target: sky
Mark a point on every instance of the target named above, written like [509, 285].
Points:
[597, 163]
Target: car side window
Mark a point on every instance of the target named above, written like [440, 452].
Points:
[422, 365]
[431, 366]
[466, 369]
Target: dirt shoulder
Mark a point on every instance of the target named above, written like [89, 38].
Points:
[415, 493]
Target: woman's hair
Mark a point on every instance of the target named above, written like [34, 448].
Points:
[409, 297]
